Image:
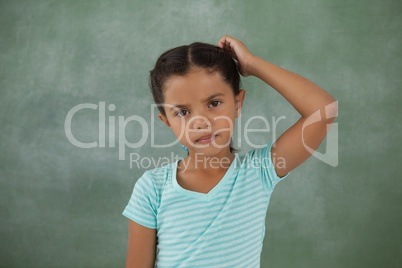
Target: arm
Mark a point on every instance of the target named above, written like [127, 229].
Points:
[141, 249]
[305, 96]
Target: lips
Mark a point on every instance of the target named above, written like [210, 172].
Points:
[206, 138]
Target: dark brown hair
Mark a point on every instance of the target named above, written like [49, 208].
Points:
[180, 61]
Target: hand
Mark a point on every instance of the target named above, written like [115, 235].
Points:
[239, 52]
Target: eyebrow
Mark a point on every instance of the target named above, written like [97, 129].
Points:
[207, 99]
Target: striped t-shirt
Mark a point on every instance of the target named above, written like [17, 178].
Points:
[223, 228]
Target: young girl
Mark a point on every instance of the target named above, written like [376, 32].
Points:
[209, 209]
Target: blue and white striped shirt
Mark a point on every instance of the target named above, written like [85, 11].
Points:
[223, 228]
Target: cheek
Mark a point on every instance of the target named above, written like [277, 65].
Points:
[178, 126]
[225, 122]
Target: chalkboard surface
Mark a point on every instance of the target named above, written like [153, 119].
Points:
[75, 104]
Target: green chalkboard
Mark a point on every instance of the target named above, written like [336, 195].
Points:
[74, 97]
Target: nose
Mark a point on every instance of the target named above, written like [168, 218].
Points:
[201, 122]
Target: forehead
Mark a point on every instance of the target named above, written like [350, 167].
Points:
[195, 86]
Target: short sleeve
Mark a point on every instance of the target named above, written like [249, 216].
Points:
[142, 205]
[261, 160]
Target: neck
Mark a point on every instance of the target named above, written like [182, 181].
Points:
[207, 163]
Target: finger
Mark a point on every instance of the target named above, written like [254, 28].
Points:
[224, 40]
[220, 44]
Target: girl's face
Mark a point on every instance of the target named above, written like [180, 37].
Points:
[201, 105]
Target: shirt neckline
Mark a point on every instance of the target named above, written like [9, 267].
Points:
[202, 196]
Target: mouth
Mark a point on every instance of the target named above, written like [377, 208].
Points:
[206, 139]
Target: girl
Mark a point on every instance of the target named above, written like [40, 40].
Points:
[208, 210]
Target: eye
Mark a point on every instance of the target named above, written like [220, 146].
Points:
[215, 103]
[181, 113]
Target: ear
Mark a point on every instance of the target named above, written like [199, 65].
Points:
[164, 119]
[239, 101]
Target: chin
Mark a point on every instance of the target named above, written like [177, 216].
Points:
[210, 150]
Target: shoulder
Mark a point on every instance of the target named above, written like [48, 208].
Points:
[261, 162]
[159, 173]
[156, 178]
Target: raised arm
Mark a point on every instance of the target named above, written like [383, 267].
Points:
[313, 103]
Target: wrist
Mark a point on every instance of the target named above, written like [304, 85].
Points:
[252, 65]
